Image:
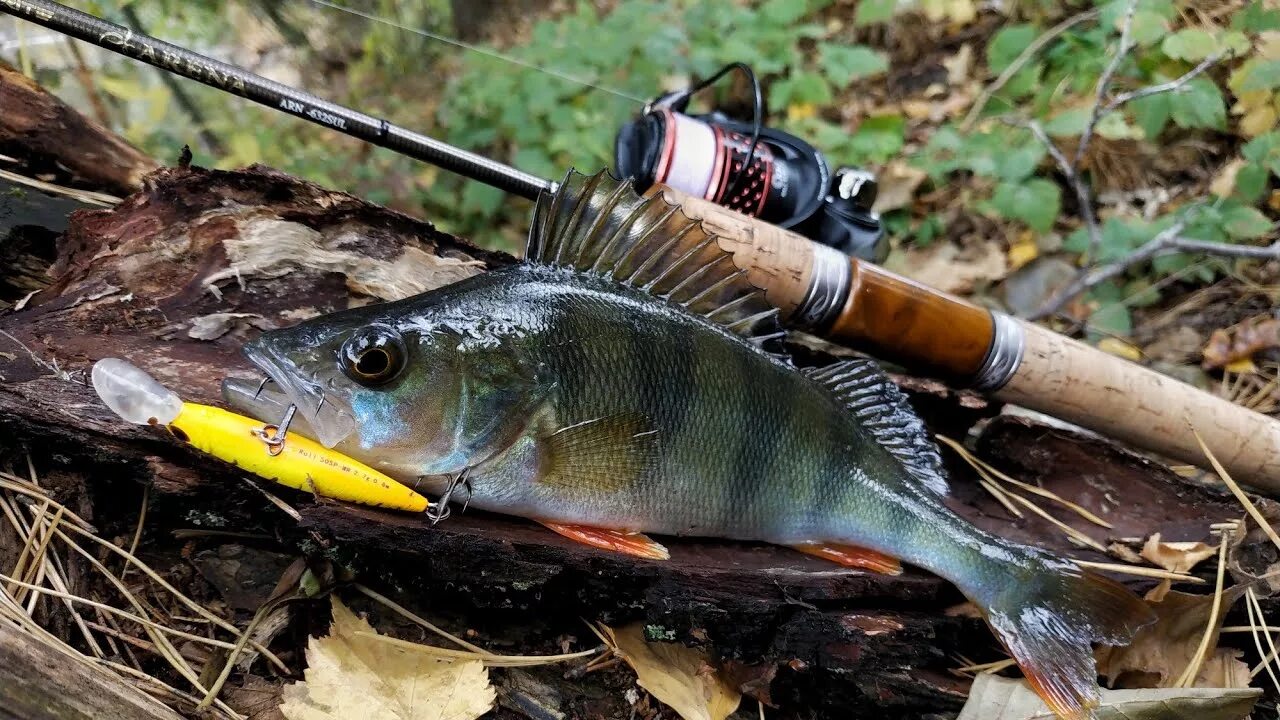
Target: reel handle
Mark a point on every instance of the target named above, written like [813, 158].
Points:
[858, 304]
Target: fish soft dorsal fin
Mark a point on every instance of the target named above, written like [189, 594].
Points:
[885, 412]
[598, 224]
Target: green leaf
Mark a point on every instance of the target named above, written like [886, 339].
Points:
[877, 139]
[801, 87]
[1192, 44]
[1152, 113]
[1069, 123]
[1007, 44]
[1251, 182]
[1258, 75]
[1036, 202]
[1256, 18]
[1113, 127]
[1018, 161]
[480, 199]
[1243, 222]
[1198, 104]
[1148, 27]
[783, 12]
[1110, 319]
[843, 64]
[870, 12]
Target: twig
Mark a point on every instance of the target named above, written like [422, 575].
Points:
[1084, 196]
[1175, 84]
[85, 77]
[1104, 82]
[1021, 60]
[1169, 240]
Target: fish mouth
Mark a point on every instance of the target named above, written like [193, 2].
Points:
[322, 417]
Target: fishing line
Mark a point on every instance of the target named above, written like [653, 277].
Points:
[476, 49]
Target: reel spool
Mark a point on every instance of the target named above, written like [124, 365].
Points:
[758, 171]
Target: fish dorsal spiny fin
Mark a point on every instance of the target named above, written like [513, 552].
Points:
[882, 408]
[599, 224]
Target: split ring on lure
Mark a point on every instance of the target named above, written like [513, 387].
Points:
[299, 463]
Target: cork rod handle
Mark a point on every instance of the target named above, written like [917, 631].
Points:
[1077, 383]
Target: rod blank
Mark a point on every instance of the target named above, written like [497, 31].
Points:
[241, 82]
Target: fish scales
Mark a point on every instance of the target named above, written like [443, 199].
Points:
[627, 379]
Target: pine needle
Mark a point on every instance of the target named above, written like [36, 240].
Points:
[1140, 571]
[404, 612]
[485, 657]
[1235, 490]
[981, 464]
[1188, 676]
[1255, 616]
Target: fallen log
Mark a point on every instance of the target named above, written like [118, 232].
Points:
[39, 683]
[51, 137]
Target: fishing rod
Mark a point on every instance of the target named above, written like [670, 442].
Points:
[820, 289]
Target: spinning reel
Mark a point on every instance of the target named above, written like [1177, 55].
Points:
[759, 171]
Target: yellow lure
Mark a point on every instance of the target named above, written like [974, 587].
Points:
[302, 463]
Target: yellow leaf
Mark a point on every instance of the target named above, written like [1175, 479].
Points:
[1120, 348]
[1258, 121]
[679, 676]
[801, 111]
[350, 675]
[1022, 252]
[1225, 182]
[1242, 366]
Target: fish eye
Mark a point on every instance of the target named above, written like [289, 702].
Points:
[374, 356]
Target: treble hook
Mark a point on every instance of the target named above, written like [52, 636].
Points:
[441, 509]
[274, 435]
[261, 385]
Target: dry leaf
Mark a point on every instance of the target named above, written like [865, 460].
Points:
[350, 675]
[1179, 557]
[946, 267]
[897, 186]
[1240, 341]
[1160, 652]
[679, 676]
[996, 698]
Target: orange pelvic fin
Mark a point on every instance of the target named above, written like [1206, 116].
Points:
[853, 556]
[628, 543]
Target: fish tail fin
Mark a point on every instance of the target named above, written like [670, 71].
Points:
[1049, 622]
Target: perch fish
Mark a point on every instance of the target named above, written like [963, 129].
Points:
[627, 379]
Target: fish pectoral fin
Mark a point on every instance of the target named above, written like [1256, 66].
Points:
[628, 543]
[607, 453]
[853, 556]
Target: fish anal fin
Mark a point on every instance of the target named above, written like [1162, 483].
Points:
[627, 543]
[853, 556]
[600, 225]
[609, 453]
[883, 410]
